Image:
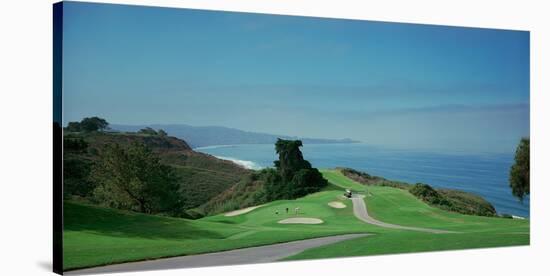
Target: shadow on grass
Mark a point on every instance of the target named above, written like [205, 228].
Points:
[105, 221]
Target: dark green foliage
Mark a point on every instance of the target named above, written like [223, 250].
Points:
[290, 158]
[76, 171]
[451, 200]
[133, 178]
[428, 194]
[294, 177]
[73, 127]
[306, 181]
[75, 144]
[76, 181]
[519, 172]
[148, 131]
[275, 188]
[90, 124]
[466, 203]
[367, 179]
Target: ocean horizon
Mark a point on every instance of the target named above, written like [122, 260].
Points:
[484, 174]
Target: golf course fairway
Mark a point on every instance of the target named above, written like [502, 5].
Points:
[96, 236]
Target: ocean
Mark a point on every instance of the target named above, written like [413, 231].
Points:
[485, 174]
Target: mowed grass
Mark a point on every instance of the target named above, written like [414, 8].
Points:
[98, 236]
[400, 207]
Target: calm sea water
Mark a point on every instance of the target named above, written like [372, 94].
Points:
[484, 174]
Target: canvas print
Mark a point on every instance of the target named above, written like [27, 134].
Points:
[190, 138]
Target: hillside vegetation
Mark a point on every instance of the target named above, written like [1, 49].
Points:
[293, 177]
[249, 191]
[200, 177]
[446, 199]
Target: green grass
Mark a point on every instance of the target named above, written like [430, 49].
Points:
[400, 207]
[98, 236]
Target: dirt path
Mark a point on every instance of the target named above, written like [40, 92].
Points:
[251, 255]
[360, 211]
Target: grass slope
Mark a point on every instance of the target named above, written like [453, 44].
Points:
[98, 236]
[445, 199]
[400, 207]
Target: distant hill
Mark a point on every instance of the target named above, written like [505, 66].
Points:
[201, 136]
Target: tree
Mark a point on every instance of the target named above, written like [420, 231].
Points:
[90, 124]
[133, 178]
[294, 177]
[306, 181]
[519, 172]
[273, 185]
[73, 127]
[76, 179]
[291, 159]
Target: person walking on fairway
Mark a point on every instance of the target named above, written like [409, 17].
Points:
[296, 210]
[287, 210]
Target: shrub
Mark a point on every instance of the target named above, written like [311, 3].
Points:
[367, 179]
[519, 172]
[428, 194]
[76, 179]
[75, 144]
[134, 178]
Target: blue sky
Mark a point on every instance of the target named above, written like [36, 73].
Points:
[405, 85]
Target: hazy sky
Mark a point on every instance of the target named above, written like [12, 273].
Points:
[415, 86]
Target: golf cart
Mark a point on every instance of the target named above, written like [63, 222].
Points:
[348, 193]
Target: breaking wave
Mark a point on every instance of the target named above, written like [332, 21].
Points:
[244, 163]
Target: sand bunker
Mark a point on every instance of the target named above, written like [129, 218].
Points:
[241, 211]
[337, 204]
[301, 221]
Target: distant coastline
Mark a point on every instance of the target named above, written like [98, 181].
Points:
[204, 136]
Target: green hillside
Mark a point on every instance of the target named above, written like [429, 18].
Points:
[446, 199]
[397, 206]
[98, 236]
[201, 176]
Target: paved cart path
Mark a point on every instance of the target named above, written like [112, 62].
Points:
[259, 254]
[360, 211]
